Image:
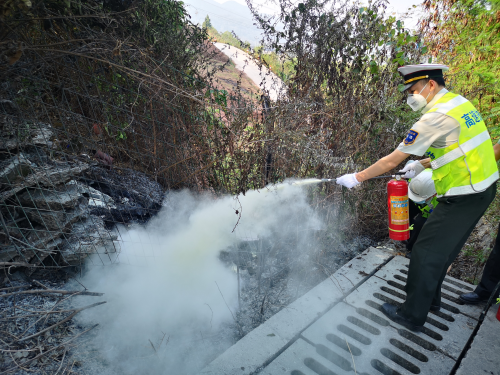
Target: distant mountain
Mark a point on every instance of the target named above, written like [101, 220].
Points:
[228, 16]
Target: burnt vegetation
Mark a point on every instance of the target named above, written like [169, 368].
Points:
[98, 97]
[344, 111]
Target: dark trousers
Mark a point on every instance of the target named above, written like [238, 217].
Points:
[491, 272]
[437, 246]
[414, 210]
[418, 224]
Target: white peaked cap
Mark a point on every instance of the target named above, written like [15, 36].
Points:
[413, 73]
[407, 69]
[421, 187]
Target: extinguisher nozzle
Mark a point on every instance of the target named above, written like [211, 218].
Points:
[329, 180]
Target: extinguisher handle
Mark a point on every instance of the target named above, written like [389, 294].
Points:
[374, 178]
[389, 176]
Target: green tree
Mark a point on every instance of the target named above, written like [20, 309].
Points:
[465, 34]
[207, 24]
[228, 38]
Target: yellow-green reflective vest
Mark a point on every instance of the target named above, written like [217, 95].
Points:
[467, 166]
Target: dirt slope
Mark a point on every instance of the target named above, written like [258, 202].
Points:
[230, 78]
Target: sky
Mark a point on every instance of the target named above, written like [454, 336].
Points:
[401, 6]
[234, 15]
[398, 6]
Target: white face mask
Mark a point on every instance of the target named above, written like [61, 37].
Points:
[417, 101]
[426, 201]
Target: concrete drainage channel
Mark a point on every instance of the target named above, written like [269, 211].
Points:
[337, 328]
[356, 333]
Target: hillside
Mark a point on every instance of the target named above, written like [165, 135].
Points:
[230, 78]
[261, 75]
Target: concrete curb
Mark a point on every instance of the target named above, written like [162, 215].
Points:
[483, 357]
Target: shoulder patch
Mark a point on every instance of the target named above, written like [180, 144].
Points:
[411, 137]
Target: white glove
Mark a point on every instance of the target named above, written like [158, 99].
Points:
[348, 180]
[412, 169]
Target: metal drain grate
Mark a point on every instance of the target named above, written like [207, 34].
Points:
[398, 270]
[357, 330]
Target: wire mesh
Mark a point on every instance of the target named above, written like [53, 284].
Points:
[85, 146]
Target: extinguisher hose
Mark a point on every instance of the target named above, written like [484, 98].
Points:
[373, 178]
[389, 176]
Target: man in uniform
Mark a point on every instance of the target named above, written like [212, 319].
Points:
[453, 135]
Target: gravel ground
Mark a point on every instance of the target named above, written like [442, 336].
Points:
[38, 335]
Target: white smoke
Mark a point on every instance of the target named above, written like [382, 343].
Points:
[167, 292]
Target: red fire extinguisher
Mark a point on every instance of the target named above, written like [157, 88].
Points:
[399, 214]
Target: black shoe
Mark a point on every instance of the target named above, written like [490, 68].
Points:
[408, 254]
[391, 312]
[435, 307]
[472, 298]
